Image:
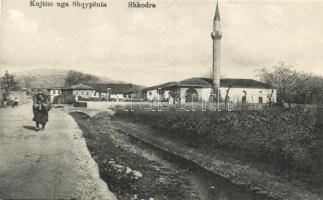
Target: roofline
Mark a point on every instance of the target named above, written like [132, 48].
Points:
[162, 86]
[177, 84]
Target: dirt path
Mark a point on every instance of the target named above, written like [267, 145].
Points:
[50, 164]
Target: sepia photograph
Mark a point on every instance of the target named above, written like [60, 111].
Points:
[161, 100]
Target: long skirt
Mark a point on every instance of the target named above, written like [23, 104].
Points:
[40, 116]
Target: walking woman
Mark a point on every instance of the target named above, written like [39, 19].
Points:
[41, 106]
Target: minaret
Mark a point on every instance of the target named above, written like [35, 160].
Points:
[216, 37]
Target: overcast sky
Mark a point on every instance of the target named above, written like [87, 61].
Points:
[168, 43]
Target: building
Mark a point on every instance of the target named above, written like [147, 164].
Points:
[69, 95]
[94, 92]
[214, 88]
[231, 90]
[113, 91]
[82, 91]
[158, 92]
[54, 93]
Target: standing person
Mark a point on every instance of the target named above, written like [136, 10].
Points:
[41, 106]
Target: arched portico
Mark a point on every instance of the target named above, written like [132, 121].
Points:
[191, 95]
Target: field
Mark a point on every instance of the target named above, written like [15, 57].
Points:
[288, 140]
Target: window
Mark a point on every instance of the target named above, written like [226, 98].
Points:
[150, 93]
[59, 92]
[260, 100]
[160, 91]
[87, 93]
[54, 91]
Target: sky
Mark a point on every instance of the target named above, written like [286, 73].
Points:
[168, 43]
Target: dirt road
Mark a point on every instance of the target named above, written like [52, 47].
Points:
[50, 164]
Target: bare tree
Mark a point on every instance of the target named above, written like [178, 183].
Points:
[293, 86]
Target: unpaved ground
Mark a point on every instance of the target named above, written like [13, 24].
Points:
[113, 145]
[238, 172]
[129, 174]
[50, 164]
[164, 176]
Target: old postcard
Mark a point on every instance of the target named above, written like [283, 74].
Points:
[161, 99]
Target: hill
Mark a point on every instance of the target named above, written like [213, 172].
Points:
[46, 78]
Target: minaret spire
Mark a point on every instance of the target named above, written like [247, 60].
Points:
[217, 12]
[216, 37]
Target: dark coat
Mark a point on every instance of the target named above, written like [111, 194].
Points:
[40, 109]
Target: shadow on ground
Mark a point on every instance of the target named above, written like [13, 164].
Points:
[30, 128]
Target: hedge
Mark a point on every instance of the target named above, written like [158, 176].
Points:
[286, 138]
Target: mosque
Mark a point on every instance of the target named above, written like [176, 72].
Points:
[199, 89]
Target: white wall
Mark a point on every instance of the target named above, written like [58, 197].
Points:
[206, 92]
[54, 93]
[153, 95]
[252, 94]
[84, 93]
[235, 94]
[117, 97]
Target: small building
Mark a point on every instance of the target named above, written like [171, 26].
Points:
[54, 92]
[82, 91]
[200, 89]
[69, 95]
[159, 92]
[66, 97]
[113, 91]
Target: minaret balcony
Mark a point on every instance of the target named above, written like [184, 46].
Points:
[216, 35]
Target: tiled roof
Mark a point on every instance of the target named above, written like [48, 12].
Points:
[81, 87]
[195, 82]
[225, 82]
[207, 83]
[245, 83]
[163, 86]
[116, 88]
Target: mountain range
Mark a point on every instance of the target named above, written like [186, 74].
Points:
[48, 78]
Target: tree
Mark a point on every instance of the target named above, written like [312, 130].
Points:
[75, 78]
[293, 86]
[8, 84]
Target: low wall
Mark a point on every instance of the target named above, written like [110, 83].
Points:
[103, 105]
